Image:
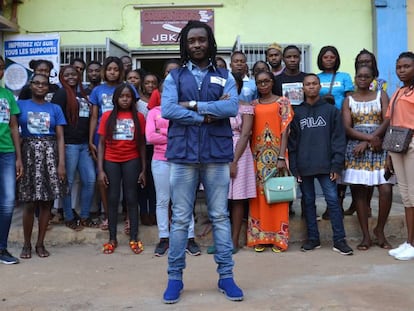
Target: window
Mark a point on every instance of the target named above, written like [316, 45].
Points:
[255, 52]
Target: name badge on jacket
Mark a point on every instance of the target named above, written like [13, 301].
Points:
[218, 80]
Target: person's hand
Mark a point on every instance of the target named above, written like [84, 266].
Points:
[299, 179]
[376, 144]
[103, 179]
[19, 169]
[233, 169]
[93, 152]
[61, 170]
[281, 165]
[333, 176]
[388, 166]
[360, 148]
[142, 179]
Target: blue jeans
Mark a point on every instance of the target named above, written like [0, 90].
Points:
[161, 174]
[331, 197]
[7, 194]
[77, 158]
[184, 180]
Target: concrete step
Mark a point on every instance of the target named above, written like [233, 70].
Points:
[61, 235]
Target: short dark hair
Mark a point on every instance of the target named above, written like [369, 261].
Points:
[182, 37]
[311, 74]
[93, 62]
[322, 52]
[79, 60]
[238, 53]
[291, 47]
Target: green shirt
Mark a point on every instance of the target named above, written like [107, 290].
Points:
[8, 107]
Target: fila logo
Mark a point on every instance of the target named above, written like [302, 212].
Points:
[311, 122]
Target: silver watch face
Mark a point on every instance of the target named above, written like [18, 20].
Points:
[192, 103]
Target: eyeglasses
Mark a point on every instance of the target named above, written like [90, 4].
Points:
[263, 82]
[40, 84]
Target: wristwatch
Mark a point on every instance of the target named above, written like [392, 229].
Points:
[192, 104]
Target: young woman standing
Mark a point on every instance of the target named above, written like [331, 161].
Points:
[76, 109]
[43, 156]
[121, 157]
[364, 120]
[403, 163]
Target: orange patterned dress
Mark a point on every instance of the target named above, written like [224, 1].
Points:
[268, 223]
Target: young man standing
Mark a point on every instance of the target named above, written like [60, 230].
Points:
[199, 149]
[289, 82]
[274, 58]
[317, 150]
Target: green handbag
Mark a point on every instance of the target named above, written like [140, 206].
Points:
[279, 188]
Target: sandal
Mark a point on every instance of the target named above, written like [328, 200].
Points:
[276, 249]
[136, 246]
[74, 225]
[41, 251]
[26, 252]
[88, 222]
[259, 248]
[104, 225]
[109, 248]
[127, 227]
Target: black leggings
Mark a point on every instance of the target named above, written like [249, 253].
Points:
[127, 172]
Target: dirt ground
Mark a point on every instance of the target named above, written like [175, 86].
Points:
[80, 277]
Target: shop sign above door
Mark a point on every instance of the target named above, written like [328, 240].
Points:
[159, 27]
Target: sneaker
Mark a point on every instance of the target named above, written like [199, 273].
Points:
[395, 251]
[310, 245]
[162, 247]
[192, 248]
[7, 258]
[343, 248]
[229, 288]
[406, 254]
[173, 291]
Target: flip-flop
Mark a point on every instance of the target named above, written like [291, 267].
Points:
[26, 252]
[259, 248]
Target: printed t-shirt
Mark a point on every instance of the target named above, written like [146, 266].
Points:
[8, 107]
[39, 119]
[123, 146]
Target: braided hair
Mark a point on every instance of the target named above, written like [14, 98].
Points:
[373, 61]
[212, 46]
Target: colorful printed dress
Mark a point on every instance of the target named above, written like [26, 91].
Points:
[367, 169]
[268, 223]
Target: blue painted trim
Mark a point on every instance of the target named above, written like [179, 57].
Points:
[390, 35]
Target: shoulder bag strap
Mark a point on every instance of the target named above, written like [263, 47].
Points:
[332, 82]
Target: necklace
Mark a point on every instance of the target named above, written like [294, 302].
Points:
[269, 100]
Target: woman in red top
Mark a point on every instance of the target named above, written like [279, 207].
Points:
[121, 157]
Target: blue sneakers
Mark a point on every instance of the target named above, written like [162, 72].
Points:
[173, 291]
[7, 258]
[230, 289]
